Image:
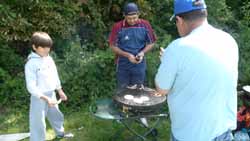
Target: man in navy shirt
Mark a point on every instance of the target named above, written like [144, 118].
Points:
[130, 39]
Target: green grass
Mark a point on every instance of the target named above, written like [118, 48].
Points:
[83, 124]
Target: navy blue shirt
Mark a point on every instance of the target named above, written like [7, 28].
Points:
[131, 39]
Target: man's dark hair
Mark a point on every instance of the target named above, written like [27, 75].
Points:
[41, 39]
[193, 15]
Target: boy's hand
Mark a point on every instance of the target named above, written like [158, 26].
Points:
[62, 95]
[51, 102]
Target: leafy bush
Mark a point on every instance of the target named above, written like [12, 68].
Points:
[12, 91]
[12, 86]
[244, 50]
[153, 59]
[9, 60]
[87, 75]
[245, 10]
[20, 18]
[88, 72]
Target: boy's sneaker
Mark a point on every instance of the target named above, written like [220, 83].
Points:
[65, 135]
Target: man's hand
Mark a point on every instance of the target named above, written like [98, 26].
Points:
[62, 95]
[139, 57]
[160, 91]
[161, 51]
[132, 59]
[158, 94]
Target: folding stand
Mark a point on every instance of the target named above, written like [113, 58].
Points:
[104, 109]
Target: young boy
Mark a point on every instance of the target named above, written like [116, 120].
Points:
[42, 80]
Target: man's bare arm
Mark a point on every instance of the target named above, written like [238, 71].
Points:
[148, 48]
[160, 91]
[120, 52]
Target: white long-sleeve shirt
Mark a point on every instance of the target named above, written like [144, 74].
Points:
[41, 75]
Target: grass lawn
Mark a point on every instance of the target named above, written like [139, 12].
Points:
[82, 123]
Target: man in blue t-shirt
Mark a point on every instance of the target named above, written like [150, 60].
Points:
[130, 39]
[199, 73]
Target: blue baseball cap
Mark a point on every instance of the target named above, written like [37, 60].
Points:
[130, 9]
[182, 6]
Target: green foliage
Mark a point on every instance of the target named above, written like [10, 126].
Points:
[20, 18]
[9, 60]
[161, 13]
[153, 62]
[88, 72]
[244, 49]
[245, 10]
[87, 75]
[220, 16]
[12, 86]
[12, 91]
[153, 59]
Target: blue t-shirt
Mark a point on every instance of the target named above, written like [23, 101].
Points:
[131, 39]
[200, 71]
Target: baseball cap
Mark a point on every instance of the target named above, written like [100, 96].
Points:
[182, 6]
[130, 8]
